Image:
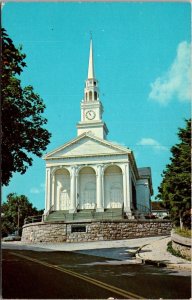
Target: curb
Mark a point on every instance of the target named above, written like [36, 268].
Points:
[159, 263]
[151, 262]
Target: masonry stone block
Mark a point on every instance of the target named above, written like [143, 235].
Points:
[61, 232]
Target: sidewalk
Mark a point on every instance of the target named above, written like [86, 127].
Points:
[156, 253]
[131, 244]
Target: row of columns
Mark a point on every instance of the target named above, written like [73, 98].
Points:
[50, 188]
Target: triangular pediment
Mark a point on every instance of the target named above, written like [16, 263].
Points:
[87, 145]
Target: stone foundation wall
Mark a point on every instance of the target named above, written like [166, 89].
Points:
[181, 245]
[42, 232]
[93, 231]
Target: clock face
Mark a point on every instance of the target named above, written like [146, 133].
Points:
[90, 114]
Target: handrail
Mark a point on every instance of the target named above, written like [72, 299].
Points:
[94, 211]
[123, 209]
[33, 219]
[49, 211]
[45, 215]
[77, 207]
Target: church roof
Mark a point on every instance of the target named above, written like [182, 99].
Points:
[88, 145]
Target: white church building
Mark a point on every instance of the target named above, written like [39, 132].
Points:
[90, 173]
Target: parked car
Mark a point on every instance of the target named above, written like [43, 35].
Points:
[11, 237]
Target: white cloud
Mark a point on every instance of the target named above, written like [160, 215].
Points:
[34, 190]
[2, 5]
[38, 190]
[152, 143]
[177, 81]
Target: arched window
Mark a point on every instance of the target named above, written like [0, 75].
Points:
[86, 96]
[95, 95]
[90, 95]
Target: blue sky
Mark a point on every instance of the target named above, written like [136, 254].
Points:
[142, 62]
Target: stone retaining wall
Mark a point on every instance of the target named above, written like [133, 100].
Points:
[181, 244]
[93, 231]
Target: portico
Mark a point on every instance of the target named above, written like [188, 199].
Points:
[93, 186]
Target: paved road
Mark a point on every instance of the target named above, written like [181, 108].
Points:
[33, 278]
[31, 274]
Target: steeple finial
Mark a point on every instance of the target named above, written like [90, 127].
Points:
[91, 74]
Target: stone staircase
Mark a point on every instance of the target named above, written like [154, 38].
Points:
[60, 215]
[85, 214]
[109, 214]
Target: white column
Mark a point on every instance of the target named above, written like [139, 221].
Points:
[46, 206]
[77, 190]
[73, 190]
[130, 188]
[58, 198]
[53, 191]
[100, 188]
[103, 191]
[126, 189]
[47, 190]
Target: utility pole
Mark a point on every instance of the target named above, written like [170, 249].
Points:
[18, 216]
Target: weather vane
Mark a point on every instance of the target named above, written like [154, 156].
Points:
[91, 35]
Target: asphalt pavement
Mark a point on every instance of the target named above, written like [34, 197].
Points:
[145, 250]
[109, 269]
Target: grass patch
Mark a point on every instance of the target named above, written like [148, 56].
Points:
[174, 252]
[183, 232]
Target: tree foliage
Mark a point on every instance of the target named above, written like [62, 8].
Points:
[175, 189]
[22, 121]
[14, 211]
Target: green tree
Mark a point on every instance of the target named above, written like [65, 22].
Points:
[14, 211]
[22, 121]
[175, 188]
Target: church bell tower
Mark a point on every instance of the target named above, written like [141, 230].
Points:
[91, 106]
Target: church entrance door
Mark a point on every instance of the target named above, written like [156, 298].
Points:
[62, 190]
[64, 200]
[87, 188]
[113, 187]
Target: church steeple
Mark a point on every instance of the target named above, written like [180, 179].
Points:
[91, 91]
[91, 74]
[91, 106]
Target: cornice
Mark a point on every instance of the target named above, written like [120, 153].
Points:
[86, 155]
[90, 124]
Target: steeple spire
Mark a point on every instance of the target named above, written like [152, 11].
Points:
[91, 106]
[91, 74]
[91, 91]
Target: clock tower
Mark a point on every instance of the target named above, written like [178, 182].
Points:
[91, 106]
